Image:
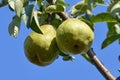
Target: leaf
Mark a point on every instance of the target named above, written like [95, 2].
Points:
[61, 2]
[102, 17]
[79, 8]
[32, 19]
[91, 25]
[11, 4]
[3, 3]
[110, 40]
[42, 17]
[14, 27]
[26, 14]
[39, 3]
[55, 20]
[112, 34]
[34, 23]
[114, 10]
[100, 1]
[66, 57]
[25, 2]
[86, 57]
[18, 7]
[54, 9]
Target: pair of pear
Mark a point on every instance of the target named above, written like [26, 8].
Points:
[71, 37]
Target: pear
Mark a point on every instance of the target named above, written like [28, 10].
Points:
[74, 36]
[41, 49]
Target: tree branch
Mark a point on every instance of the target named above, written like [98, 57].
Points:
[95, 60]
[99, 65]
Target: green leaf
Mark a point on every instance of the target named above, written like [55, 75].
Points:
[112, 34]
[86, 57]
[54, 9]
[3, 3]
[26, 14]
[95, 1]
[61, 2]
[79, 8]
[55, 20]
[18, 7]
[91, 25]
[14, 27]
[34, 23]
[114, 10]
[100, 1]
[102, 17]
[42, 17]
[110, 40]
[25, 2]
[39, 3]
[66, 57]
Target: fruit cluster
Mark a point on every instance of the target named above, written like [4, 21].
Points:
[73, 36]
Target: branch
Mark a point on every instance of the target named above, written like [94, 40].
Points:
[97, 63]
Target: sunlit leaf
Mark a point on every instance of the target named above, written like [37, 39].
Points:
[11, 4]
[79, 8]
[114, 10]
[18, 7]
[54, 9]
[61, 2]
[14, 27]
[26, 14]
[103, 17]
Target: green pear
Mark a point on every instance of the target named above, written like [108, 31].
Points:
[41, 49]
[74, 36]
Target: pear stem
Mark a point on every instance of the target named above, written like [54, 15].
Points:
[95, 60]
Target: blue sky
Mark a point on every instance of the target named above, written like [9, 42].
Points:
[15, 66]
